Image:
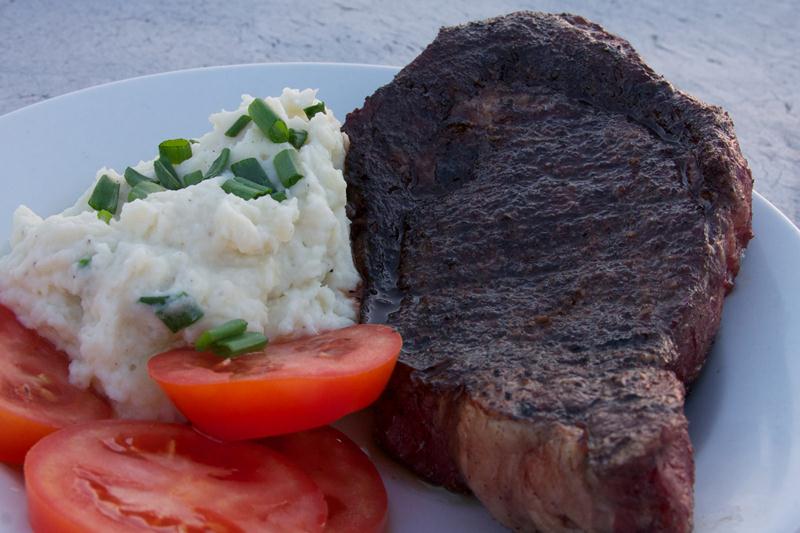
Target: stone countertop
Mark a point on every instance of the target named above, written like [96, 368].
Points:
[739, 54]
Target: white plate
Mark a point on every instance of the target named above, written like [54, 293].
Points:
[744, 410]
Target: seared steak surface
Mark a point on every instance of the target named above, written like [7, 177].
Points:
[553, 228]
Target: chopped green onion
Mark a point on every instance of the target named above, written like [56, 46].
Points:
[286, 169]
[175, 150]
[279, 196]
[240, 344]
[176, 311]
[279, 132]
[253, 185]
[166, 174]
[268, 122]
[310, 111]
[297, 138]
[104, 215]
[134, 178]
[158, 300]
[177, 316]
[219, 164]
[142, 189]
[230, 328]
[250, 169]
[105, 195]
[193, 178]
[238, 126]
[241, 190]
[193, 141]
[84, 262]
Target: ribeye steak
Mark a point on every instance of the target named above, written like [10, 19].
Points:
[553, 228]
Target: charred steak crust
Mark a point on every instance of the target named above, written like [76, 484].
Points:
[553, 227]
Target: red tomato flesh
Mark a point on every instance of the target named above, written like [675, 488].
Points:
[352, 486]
[127, 476]
[287, 387]
[36, 397]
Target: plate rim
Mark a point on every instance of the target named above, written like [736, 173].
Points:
[234, 66]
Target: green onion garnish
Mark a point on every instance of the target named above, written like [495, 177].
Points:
[310, 111]
[286, 169]
[279, 196]
[279, 132]
[166, 174]
[240, 344]
[238, 126]
[142, 189]
[193, 178]
[253, 185]
[158, 300]
[104, 215]
[105, 195]
[297, 138]
[241, 190]
[219, 164]
[176, 311]
[175, 150]
[268, 122]
[133, 177]
[84, 262]
[230, 328]
[250, 169]
[178, 315]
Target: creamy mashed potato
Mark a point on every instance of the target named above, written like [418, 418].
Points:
[285, 267]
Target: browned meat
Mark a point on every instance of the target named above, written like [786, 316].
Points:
[553, 228]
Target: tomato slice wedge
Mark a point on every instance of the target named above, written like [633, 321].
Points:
[128, 476]
[287, 387]
[352, 486]
[36, 397]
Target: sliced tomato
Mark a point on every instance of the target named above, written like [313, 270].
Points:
[36, 397]
[126, 476]
[287, 387]
[352, 486]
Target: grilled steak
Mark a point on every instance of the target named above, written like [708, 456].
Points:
[553, 228]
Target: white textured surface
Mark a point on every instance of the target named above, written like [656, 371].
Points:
[742, 55]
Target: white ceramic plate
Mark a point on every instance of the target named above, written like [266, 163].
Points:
[744, 410]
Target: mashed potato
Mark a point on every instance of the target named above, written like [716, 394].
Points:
[285, 267]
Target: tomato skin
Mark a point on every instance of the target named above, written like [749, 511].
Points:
[19, 434]
[288, 387]
[36, 397]
[43, 520]
[132, 476]
[353, 488]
